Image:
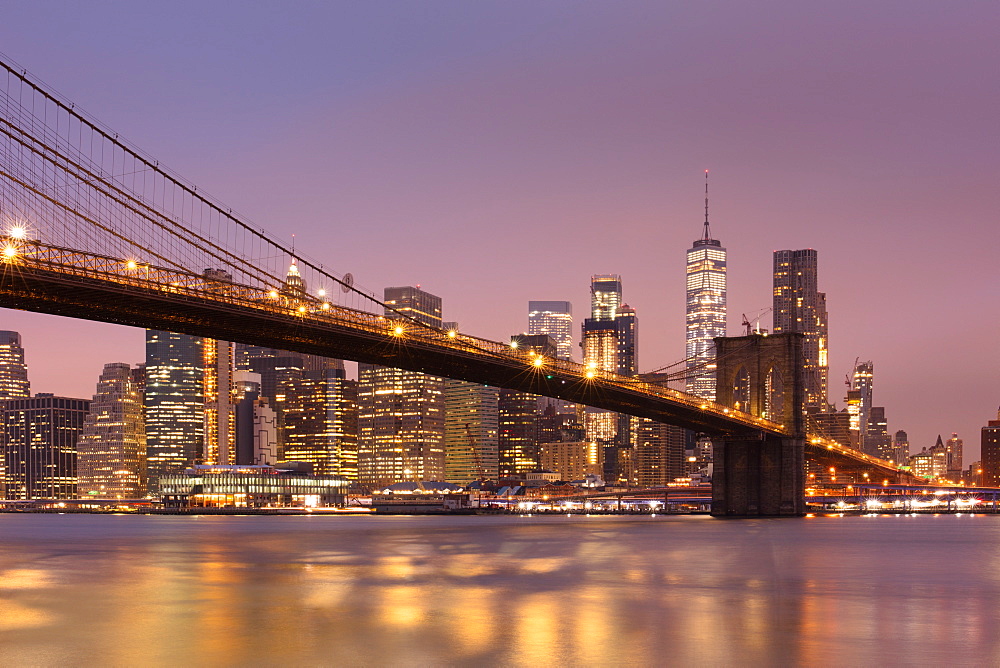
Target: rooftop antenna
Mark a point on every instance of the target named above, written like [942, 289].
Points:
[708, 234]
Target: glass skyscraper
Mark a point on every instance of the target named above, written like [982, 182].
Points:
[175, 402]
[605, 296]
[706, 309]
[556, 320]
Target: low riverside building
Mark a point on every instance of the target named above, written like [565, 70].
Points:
[207, 486]
[421, 498]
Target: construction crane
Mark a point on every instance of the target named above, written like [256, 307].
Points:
[749, 324]
[480, 472]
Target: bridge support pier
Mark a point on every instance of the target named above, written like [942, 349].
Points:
[759, 477]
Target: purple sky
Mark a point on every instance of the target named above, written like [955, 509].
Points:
[496, 152]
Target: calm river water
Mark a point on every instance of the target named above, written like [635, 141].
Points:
[82, 590]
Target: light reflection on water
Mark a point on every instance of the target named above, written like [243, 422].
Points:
[124, 590]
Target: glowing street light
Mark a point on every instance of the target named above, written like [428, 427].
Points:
[9, 252]
[18, 232]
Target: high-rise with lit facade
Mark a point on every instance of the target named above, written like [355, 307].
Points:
[990, 453]
[218, 392]
[954, 446]
[900, 447]
[706, 309]
[401, 413]
[39, 442]
[862, 380]
[174, 401]
[321, 422]
[556, 320]
[13, 370]
[609, 342]
[471, 432]
[111, 450]
[13, 377]
[518, 411]
[605, 296]
[800, 307]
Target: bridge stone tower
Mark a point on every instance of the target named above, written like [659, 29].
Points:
[761, 474]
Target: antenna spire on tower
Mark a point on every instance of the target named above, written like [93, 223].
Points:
[708, 234]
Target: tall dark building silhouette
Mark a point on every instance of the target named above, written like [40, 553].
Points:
[40, 439]
[799, 306]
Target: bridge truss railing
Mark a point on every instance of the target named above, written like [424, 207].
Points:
[282, 301]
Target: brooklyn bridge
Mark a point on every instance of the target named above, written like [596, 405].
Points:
[92, 228]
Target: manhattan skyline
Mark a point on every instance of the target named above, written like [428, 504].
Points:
[516, 150]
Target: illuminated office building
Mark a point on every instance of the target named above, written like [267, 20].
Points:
[605, 296]
[862, 379]
[471, 431]
[954, 446]
[111, 450]
[572, 460]
[659, 453]
[13, 376]
[518, 417]
[877, 440]
[13, 370]
[609, 342]
[321, 422]
[218, 391]
[800, 307]
[40, 437]
[401, 413]
[556, 320]
[174, 402]
[990, 456]
[900, 447]
[706, 309]
[256, 423]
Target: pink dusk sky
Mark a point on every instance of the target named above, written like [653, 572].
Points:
[498, 152]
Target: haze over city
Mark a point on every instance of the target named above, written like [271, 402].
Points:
[499, 152]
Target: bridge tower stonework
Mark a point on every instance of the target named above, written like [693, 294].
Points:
[760, 474]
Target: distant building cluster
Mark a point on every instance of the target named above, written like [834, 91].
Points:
[286, 427]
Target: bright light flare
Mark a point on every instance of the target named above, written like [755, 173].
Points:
[18, 232]
[273, 294]
[398, 330]
[513, 345]
[538, 361]
[452, 334]
[326, 306]
[590, 373]
[302, 309]
[321, 292]
[9, 252]
[131, 265]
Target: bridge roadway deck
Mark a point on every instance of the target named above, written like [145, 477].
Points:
[75, 284]
[103, 290]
